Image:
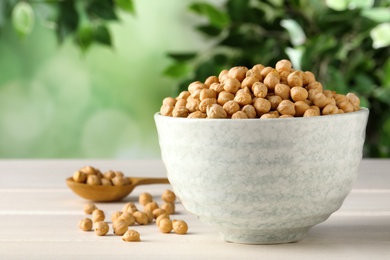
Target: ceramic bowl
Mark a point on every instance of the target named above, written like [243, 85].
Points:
[262, 181]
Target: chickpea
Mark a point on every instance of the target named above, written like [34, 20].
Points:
[101, 228]
[258, 68]
[196, 94]
[169, 101]
[284, 76]
[89, 170]
[86, 224]
[205, 103]
[79, 176]
[210, 80]
[151, 206]
[304, 77]
[286, 116]
[224, 97]
[207, 93]
[98, 215]
[165, 225]
[254, 73]
[150, 215]
[299, 94]
[166, 110]
[320, 100]
[329, 93]
[249, 110]
[169, 207]
[180, 112]
[181, 103]
[159, 218]
[265, 71]
[243, 97]
[120, 227]
[249, 81]
[269, 115]
[286, 107]
[262, 106]
[231, 85]
[120, 181]
[129, 207]
[131, 236]
[119, 174]
[157, 212]
[89, 208]
[216, 111]
[115, 216]
[93, 180]
[330, 109]
[259, 90]
[294, 79]
[192, 104]
[271, 80]
[310, 112]
[223, 75]
[238, 72]
[144, 198]
[179, 227]
[168, 196]
[197, 114]
[310, 77]
[315, 85]
[283, 65]
[109, 174]
[300, 108]
[183, 95]
[218, 87]
[141, 218]
[231, 107]
[317, 109]
[194, 86]
[274, 100]
[354, 100]
[282, 91]
[128, 217]
[345, 105]
[239, 115]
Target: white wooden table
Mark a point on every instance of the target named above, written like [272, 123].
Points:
[39, 219]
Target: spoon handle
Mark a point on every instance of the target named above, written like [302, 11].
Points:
[143, 181]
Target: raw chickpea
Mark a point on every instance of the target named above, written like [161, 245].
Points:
[196, 94]
[157, 212]
[159, 218]
[269, 115]
[216, 111]
[300, 108]
[217, 87]
[183, 95]
[179, 227]
[265, 70]
[254, 73]
[129, 207]
[249, 110]
[98, 215]
[286, 107]
[109, 174]
[181, 103]
[284, 76]
[298, 94]
[119, 174]
[210, 80]
[194, 86]
[150, 215]
[239, 115]
[79, 176]
[89, 170]
[93, 180]
[231, 85]
[166, 110]
[310, 77]
[207, 93]
[320, 100]
[258, 68]
[310, 112]
[86, 224]
[141, 218]
[224, 97]
[101, 228]
[317, 109]
[271, 80]
[197, 114]
[169, 101]
[304, 77]
[165, 225]
[286, 116]
[115, 216]
[312, 93]
[131, 236]
[192, 104]
[169, 207]
[345, 105]
[223, 75]
[89, 208]
[259, 90]
[128, 217]
[120, 227]
[249, 81]
[238, 72]
[205, 103]
[151, 206]
[282, 91]
[180, 112]
[243, 97]
[354, 100]
[329, 93]
[274, 100]
[315, 85]
[120, 181]
[294, 79]
[283, 65]
[262, 106]
[231, 107]
[168, 196]
[330, 109]
[144, 198]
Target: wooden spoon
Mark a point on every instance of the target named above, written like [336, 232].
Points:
[110, 193]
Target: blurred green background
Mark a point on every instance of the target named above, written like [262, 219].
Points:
[88, 88]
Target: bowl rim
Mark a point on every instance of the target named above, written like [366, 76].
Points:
[363, 110]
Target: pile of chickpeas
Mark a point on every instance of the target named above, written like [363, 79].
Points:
[93, 176]
[259, 92]
[130, 215]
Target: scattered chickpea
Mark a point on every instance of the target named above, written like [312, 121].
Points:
[89, 208]
[159, 218]
[98, 215]
[144, 198]
[141, 218]
[169, 207]
[86, 224]
[179, 227]
[129, 207]
[101, 228]
[128, 217]
[131, 236]
[120, 227]
[151, 206]
[165, 225]
[150, 215]
[157, 212]
[168, 196]
[115, 216]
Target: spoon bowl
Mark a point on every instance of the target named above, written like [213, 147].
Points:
[100, 193]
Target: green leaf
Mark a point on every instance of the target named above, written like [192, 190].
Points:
[84, 37]
[209, 30]
[102, 35]
[126, 5]
[297, 35]
[177, 70]
[215, 16]
[103, 9]
[182, 56]
[338, 5]
[381, 36]
[23, 18]
[67, 20]
[238, 9]
[377, 14]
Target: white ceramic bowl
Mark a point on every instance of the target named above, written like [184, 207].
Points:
[262, 181]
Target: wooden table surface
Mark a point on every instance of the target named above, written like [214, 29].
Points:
[39, 219]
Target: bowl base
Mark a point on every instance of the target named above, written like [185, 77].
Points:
[262, 237]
